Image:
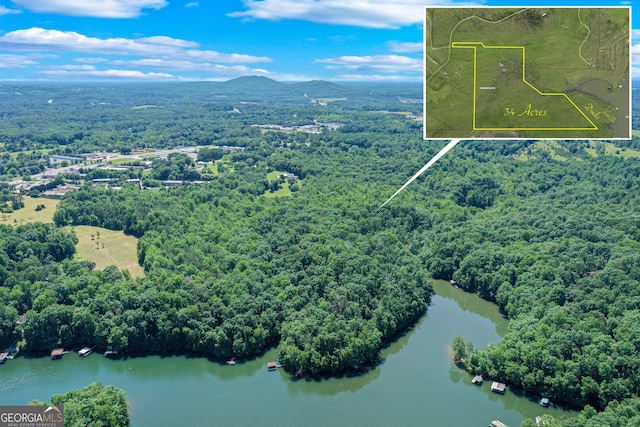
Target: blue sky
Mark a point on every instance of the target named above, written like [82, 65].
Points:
[184, 40]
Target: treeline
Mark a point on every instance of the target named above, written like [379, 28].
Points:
[29, 257]
[564, 266]
[231, 274]
[93, 405]
[120, 118]
[329, 279]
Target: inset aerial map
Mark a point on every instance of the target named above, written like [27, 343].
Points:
[543, 72]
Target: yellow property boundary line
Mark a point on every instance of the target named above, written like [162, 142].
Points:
[474, 45]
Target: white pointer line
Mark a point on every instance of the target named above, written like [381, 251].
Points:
[441, 153]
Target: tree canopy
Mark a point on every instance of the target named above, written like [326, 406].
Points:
[549, 231]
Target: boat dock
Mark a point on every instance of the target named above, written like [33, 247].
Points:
[272, 366]
[84, 352]
[57, 353]
[497, 387]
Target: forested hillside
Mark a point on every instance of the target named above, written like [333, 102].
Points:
[550, 233]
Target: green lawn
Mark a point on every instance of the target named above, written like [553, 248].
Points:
[213, 168]
[29, 213]
[554, 149]
[550, 147]
[282, 192]
[110, 248]
[329, 100]
[611, 149]
[41, 151]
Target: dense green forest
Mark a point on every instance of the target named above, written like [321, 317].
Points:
[550, 235]
[93, 405]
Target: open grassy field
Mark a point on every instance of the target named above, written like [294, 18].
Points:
[329, 100]
[282, 192]
[556, 151]
[107, 247]
[611, 149]
[550, 147]
[29, 213]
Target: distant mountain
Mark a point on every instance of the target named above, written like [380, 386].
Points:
[252, 83]
[257, 88]
[319, 88]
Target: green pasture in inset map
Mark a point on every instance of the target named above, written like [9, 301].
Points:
[527, 73]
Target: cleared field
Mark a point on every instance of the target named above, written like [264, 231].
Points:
[610, 149]
[107, 247]
[217, 168]
[282, 192]
[556, 151]
[15, 154]
[550, 147]
[328, 100]
[29, 213]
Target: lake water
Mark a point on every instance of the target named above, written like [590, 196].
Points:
[417, 385]
[619, 97]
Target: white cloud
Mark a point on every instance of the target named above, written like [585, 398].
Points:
[372, 65]
[375, 77]
[15, 61]
[122, 74]
[360, 13]
[237, 58]
[39, 39]
[167, 41]
[406, 47]
[168, 64]
[225, 73]
[6, 11]
[93, 8]
[90, 60]
[635, 35]
[71, 67]
[192, 4]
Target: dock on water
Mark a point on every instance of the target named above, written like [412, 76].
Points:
[84, 352]
[497, 387]
[272, 366]
[57, 353]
